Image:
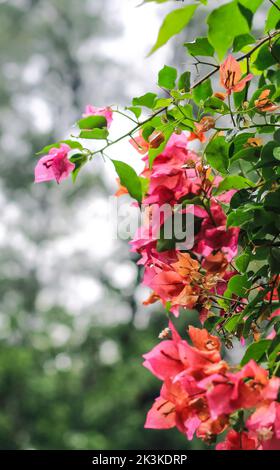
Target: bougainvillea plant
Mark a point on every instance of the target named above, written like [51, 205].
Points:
[230, 275]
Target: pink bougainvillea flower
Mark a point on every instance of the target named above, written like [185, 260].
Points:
[54, 166]
[265, 421]
[238, 441]
[230, 76]
[214, 235]
[93, 111]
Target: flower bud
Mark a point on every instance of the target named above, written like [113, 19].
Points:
[156, 139]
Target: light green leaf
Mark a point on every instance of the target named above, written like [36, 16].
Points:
[99, 134]
[225, 23]
[202, 92]
[129, 179]
[234, 182]
[238, 285]
[92, 122]
[184, 82]
[273, 17]
[167, 77]
[173, 24]
[147, 100]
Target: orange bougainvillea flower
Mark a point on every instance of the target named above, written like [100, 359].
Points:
[254, 142]
[264, 104]
[156, 139]
[215, 263]
[121, 190]
[140, 144]
[186, 265]
[204, 125]
[221, 96]
[230, 76]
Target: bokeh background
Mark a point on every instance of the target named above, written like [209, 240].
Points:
[72, 325]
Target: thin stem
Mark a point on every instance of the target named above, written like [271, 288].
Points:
[128, 134]
[126, 115]
[230, 110]
[244, 56]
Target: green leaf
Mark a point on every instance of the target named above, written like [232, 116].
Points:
[217, 154]
[242, 262]
[250, 154]
[234, 182]
[92, 122]
[173, 24]
[238, 217]
[135, 110]
[246, 13]
[225, 23]
[273, 18]
[212, 322]
[202, 92]
[252, 5]
[265, 58]
[147, 100]
[256, 351]
[129, 179]
[276, 153]
[215, 105]
[201, 46]
[79, 161]
[167, 77]
[274, 260]
[184, 82]
[98, 134]
[239, 284]
[153, 153]
[231, 324]
[271, 202]
[241, 41]
[73, 144]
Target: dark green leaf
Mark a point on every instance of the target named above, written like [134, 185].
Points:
[256, 351]
[242, 40]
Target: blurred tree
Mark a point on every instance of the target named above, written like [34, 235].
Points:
[70, 377]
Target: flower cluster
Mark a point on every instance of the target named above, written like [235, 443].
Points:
[201, 394]
[181, 278]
